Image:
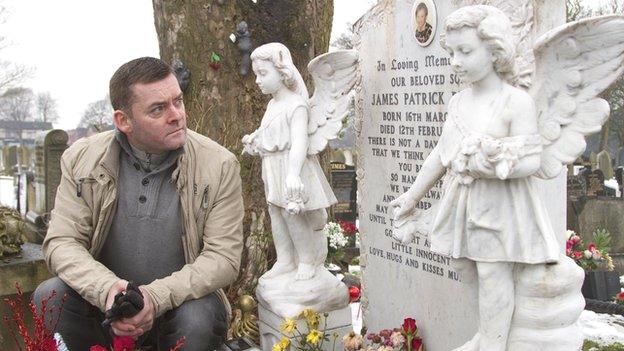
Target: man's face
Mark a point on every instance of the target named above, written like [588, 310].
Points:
[158, 121]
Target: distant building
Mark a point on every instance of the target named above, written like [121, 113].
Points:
[81, 132]
[12, 132]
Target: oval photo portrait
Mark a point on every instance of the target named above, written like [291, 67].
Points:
[424, 21]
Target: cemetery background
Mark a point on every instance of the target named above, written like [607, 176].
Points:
[34, 176]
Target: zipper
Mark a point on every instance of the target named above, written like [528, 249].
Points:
[79, 185]
[205, 199]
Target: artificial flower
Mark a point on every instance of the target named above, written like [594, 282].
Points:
[97, 348]
[284, 343]
[385, 348]
[352, 341]
[409, 326]
[397, 338]
[277, 347]
[416, 344]
[577, 255]
[312, 318]
[620, 296]
[385, 333]
[596, 255]
[591, 247]
[354, 294]
[349, 228]
[123, 343]
[314, 336]
[587, 254]
[289, 326]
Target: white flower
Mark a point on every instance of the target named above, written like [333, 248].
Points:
[336, 236]
[397, 339]
[570, 233]
[587, 254]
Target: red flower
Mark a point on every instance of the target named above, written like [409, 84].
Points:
[409, 325]
[591, 247]
[49, 344]
[123, 343]
[577, 255]
[416, 344]
[349, 228]
[620, 296]
[97, 348]
[354, 294]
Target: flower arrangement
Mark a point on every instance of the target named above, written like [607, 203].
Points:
[339, 236]
[593, 256]
[41, 338]
[619, 298]
[405, 338]
[302, 340]
[127, 343]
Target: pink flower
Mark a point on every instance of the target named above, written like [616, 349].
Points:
[577, 255]
[591, 247]
[385, 333]
[596, 255]
[575, 239]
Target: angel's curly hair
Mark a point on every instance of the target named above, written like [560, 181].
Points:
[279, 55]
[494, 28]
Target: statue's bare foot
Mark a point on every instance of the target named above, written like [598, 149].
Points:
[472, 345]
[305, 271]
[280, 267]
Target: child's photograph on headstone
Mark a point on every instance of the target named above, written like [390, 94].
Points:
[425, 21]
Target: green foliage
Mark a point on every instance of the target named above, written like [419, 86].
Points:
[602, 239]
[589, 345]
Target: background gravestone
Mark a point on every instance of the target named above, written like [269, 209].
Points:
[401, 107]
[49, 148]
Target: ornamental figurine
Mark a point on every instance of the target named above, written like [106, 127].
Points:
[498, 139]
[294, 129]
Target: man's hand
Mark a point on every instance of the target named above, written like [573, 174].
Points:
[119, 327]
[140, 323]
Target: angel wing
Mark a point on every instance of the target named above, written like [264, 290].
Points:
[574, 63]
[334, 75]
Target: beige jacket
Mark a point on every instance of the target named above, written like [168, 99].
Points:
[208, 182]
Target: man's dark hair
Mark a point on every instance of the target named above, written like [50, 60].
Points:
[142, 70]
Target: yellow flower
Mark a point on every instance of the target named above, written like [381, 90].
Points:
[314, 337]
[284, 343]
[289, 326]
[277, 347]
[312, 318]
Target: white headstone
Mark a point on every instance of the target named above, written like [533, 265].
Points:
[402, 103]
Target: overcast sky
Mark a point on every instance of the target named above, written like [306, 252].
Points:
[75, 46]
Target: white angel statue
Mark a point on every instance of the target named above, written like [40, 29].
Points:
[294, 129]
[498, 138]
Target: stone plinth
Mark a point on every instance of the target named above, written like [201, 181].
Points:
[28, 270]
[338, 321]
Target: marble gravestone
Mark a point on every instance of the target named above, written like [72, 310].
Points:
[406, 84]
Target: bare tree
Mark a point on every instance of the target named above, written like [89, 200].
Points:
[98, 114]
[345, 40]
[46, 107]
[11, 74]
[16, 104]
